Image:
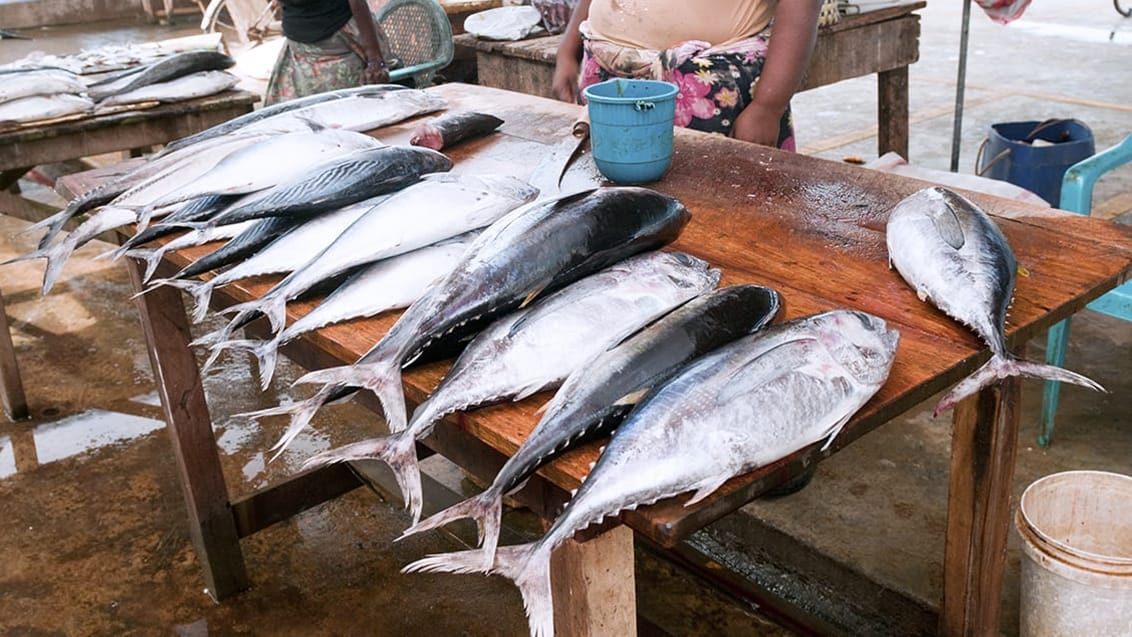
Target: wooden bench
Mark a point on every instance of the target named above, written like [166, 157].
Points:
[884, 42]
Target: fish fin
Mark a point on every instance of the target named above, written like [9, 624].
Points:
[948, 226]
[265, 352]
[382, 377]
[542, 409]
[999, 367]
[531, 297]
[202, 296]
[632, 398]
[487, 511]
[528, 565]
[54, 224]
[834, 430]
[704, 489]
[530, 390]
[301, 413]
[397, 450]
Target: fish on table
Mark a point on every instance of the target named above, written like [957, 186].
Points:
[163, 70]
[34, 108]
[733, 410]
[186, 87]
[535, 348]
[953, 255]
[450, 129]
[596, 397]
[43, 82]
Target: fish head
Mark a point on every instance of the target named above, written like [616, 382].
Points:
[860, 342]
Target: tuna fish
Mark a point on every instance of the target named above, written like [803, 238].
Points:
[342, 181]
[952, 254]
[46, 82]
[534, 250]
[186, 87]
[596, 397]
[536, 348]
[389, 284]
[153, 256]
[438, 207]
[172, 67]
[452, 128]
[724, 414]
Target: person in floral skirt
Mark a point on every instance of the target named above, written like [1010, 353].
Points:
[734, 77]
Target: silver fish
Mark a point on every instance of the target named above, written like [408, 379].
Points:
[536, 348]
[952, 254]
[437, 207]
[729, 412]
[169, 68]
[43, 107]
[389, 284]
[153, 256]
[595, 398]
[535, 249]
[47, 82]
[185, 87]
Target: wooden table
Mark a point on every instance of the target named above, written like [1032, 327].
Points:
[884, 42]
[811, 228]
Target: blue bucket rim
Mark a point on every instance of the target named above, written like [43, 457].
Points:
[606, 99]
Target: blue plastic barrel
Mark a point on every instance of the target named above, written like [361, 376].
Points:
[631, 128]
[1010, 154]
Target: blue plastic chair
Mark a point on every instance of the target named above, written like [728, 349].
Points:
[419, 36]
[1077, 196]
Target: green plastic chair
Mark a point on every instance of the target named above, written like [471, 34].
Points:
[1077, 196]
[419, 37]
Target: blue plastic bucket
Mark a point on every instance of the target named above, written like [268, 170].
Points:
[1010, 154]
[631, 128]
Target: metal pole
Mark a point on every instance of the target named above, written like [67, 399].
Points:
[960, 85]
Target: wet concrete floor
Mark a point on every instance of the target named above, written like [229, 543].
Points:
[96, 541]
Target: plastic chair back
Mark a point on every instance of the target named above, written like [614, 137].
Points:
[1077, 196]
[419, 36]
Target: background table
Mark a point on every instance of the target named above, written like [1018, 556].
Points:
[811, 228]
[883, 42]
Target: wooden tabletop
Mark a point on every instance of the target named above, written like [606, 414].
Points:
[811, 228]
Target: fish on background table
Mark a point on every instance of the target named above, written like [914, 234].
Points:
[809, 228]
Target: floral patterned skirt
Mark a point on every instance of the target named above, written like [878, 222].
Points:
[305, 69]
[715, 83]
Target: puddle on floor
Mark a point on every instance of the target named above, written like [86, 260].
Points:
[71, 436]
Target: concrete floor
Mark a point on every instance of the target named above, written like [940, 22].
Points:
[95, 534]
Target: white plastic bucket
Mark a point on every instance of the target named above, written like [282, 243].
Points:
[1076, 530]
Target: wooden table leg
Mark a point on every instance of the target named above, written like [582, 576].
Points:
[11, 387]
[211, 523]
[594, 587]
[983, 448]
[892, 112]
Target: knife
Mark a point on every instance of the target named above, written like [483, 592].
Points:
[547, 176]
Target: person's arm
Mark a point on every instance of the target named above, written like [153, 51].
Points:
[375, 71]
[567, 63]
[791, 44]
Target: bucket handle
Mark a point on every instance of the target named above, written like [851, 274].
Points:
[644, 105]
[1042, 125]
[992, 162]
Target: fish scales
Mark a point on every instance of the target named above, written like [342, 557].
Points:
[537, 347]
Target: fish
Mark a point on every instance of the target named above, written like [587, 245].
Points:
[452, 128]
[193, 210]
[596, 397]
[186, 87]
[152, 256]
[536, 348]
[290, 250]
[533, 250]
[42, 107]
[233, 125]
[342, 181]
[437, 207]
[42, 83]
[164, 70]
[951, 253]
[389, 284]
[724, 414]
[270, 161]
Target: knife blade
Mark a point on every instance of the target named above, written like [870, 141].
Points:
[547, 176]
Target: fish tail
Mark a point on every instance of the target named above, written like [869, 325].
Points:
[202, 296]
[181, 284]
[265, 353]
[301, 413]
[999, 367]
[54, 225]
[56, 256]
[528, 565]
[382, 377]
[397, 450]
[145, 213]
[486, 509]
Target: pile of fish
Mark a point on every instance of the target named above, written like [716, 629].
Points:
[689, 384]
[40, 94]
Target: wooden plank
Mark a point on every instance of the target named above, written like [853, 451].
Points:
[593, 586]
[211, 525]
[892, 112]
[12, 396]
[984, 443]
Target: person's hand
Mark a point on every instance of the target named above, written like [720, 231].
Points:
[565, 83]
[375, 73]
[758, 125]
